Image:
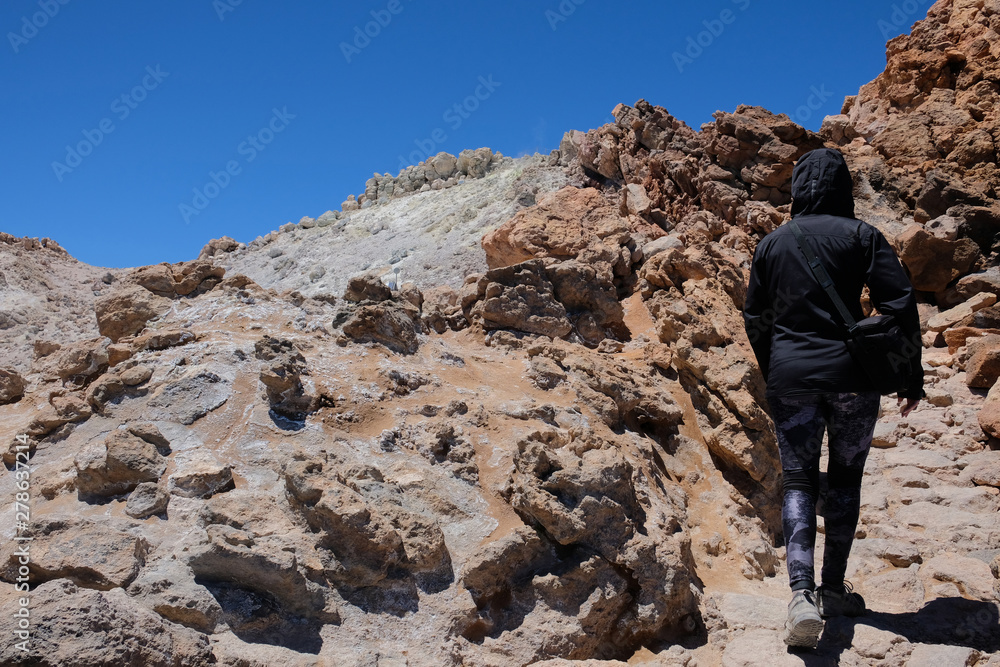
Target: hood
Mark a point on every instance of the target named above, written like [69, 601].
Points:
[821, 184]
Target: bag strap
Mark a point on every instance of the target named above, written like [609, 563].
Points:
[823, 277]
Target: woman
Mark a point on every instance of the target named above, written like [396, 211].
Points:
[813, 384]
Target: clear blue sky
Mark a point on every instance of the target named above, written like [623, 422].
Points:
[183, 85]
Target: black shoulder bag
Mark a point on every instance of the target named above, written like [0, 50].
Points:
[877, 344]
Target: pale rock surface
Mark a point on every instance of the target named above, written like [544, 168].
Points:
[955, 315]
[94, 553]
[146, 500]
[11, 386]
[28, 316]
[82, 627]
[432, 235]
[126, 311]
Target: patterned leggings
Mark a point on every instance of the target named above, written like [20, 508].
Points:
[800, 421]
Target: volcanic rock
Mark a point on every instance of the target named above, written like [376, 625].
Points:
[112, 557]
[126, 311]
[983, 367]
[933, 263]
[75, 627]
[146, 500]
[117, 465]
[11, 386]
[384, 323]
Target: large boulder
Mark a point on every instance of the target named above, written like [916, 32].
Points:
[971, 285]
[380, 544]
[382, 316]
[933, 263]
[105, 389]
[962, 313]
[588, 293]
[199, 475]
[126, 311]
[81, 627]
[581, 496]
[569, 224]
[521, 298]
[182, 279]
[366, 287]
[385, 323]
[474, 163]
[148, 499]
[444, 165]
[117, 465]
[989, 413]
[442, 310]
[218, 247]
[77, 362]
[101, 553]
[63, 408]
[983, 367]
[598, 152]
[11, 386]
[570, 299]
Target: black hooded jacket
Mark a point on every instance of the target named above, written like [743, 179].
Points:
[794, 327]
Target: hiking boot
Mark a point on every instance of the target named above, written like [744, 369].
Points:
[804, 623]
[839, 602]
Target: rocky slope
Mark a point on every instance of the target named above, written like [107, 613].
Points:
[548, 448]
[422, 226]
[45, 295]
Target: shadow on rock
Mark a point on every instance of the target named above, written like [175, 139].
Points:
[952, 621]
[291, 399]
[285, 423]
[397, 598]
[258, 618]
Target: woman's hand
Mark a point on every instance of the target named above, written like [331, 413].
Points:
[911, 403]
